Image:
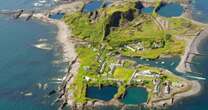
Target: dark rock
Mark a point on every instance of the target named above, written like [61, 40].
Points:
[52, 92]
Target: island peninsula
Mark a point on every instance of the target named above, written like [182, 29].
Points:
[102, 46]
[106, 41]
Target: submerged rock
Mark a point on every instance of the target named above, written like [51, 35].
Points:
[28, 94]
[52, 92]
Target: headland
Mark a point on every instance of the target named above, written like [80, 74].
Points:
[98, 46]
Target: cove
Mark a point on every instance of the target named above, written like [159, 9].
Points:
[135, 95]
[170, 10]
[92, 6]
[105, 93]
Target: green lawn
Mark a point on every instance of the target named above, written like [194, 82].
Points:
[86, 58]
[123, 74]
[83, 29]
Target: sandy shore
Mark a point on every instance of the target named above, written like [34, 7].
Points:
[194, 90]
[64, 35]
[69, 7]
[191, 47]
[191, 44]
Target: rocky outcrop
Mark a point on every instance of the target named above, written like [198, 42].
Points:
[115, 20]
[129, 15]
[161, 4]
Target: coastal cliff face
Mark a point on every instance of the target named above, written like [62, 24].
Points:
[122, 30]
[118, 18]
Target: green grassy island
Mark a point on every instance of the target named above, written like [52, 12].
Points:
[109, 37]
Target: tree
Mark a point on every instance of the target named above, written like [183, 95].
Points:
[168, 37]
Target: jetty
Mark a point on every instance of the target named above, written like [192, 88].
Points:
[18, 14]
[198, 54]
[30, 16]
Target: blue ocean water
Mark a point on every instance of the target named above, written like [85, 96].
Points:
[198, 102]
[200, 10]
[26, 4]
[23, 66]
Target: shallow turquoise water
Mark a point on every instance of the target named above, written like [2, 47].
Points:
[135, 95]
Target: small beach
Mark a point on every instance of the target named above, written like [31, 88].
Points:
[191, 47]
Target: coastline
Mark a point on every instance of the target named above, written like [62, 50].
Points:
[184, 65]
[68, 48]
[192, 88]
[64, 34]
[191, 44]
[196, 88]
[191, 47]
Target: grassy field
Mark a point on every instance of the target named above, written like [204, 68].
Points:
[83, 29]
[86, 56]
[142, 29]
[123, 74]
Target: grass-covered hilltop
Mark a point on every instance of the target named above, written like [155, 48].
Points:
[108, 37]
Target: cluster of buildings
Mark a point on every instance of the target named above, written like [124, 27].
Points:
[135, 47]
[159, 87]
[139, 46]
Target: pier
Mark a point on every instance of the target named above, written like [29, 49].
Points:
[30, 16]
